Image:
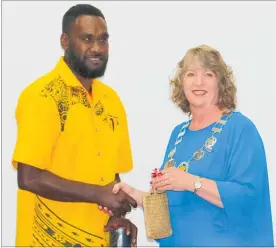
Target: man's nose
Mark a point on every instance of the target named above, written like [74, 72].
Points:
[95, 47]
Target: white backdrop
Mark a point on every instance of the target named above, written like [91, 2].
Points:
[147, 40]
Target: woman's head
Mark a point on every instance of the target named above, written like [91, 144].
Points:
[202, 80]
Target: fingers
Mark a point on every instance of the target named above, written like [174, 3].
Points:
[127, 207]
[133, 233]
[131, 201]
[131, 230]
[161, 184]
[105, 210]
[116, 188]
[164, 188]
[127, 227]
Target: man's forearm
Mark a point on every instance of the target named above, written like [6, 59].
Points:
[53, 187]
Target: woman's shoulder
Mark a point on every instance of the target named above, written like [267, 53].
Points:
[241, 121]
[243, 126]
[178, 127]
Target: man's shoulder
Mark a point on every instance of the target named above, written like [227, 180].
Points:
[108, 91]
[106, 88]
[34, 90]
[38, 84]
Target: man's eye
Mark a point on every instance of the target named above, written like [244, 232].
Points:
[104, 40]
[86, 39]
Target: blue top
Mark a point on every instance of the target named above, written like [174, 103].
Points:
[238, 165]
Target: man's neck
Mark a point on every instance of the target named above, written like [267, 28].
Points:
[86, 82]
[203, 117]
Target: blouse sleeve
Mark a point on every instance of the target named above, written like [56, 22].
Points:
[247, 175]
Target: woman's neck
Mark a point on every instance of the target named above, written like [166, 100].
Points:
[203, 117]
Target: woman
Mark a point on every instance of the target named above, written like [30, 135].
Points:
[214, 170]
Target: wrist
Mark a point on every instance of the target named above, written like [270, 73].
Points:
[197, 184]
[191, 184]
[138, 197]
[95, 194]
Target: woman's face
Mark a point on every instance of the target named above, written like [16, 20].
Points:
[200, 86]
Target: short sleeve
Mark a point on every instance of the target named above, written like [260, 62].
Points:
[125, 162]
[38, 128]
[247, 176]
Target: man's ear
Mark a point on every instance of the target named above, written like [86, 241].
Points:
[64, 41]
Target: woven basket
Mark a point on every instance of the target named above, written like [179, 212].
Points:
[157, 216]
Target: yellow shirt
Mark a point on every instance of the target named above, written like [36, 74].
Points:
[63, 130]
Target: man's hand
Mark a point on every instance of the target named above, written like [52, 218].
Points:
[115, 223]
[119, 204]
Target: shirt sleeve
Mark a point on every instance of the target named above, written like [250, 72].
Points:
[38, 127]
[247, 176]
[125, 163]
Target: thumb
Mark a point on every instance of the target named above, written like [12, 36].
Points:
[116, 188]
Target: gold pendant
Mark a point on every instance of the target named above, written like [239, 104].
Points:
[209, 143]
[222, 122]
[208, 148]
[178, 141]
[228, 114]
[172, 153]
[169, 164]
[216, 130]
[180, 134]
[184, 166]
[198, 154]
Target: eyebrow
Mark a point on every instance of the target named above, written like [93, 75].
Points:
[105, 34]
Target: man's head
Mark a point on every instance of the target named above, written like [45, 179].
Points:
[85, 40]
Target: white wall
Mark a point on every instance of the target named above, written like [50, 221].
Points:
[147, 39]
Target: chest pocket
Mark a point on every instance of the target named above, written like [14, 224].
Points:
[107, 118]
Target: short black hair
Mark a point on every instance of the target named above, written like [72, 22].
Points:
[78, 10]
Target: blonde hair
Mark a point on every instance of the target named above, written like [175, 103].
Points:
[211, 60]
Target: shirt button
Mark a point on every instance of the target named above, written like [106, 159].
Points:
[97, 129]
[102, 179]
[99, 154]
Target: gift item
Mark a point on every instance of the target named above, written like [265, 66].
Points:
[156, 213]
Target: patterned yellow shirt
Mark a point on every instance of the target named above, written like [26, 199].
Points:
[63, 130]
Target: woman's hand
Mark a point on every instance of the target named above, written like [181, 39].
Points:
[136, 194]
[174, 179]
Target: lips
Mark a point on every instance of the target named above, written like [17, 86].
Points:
[199, 92]
[94, 58]
[95, 61]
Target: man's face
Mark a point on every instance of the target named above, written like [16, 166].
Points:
[87, 46]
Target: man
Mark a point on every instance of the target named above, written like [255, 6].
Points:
[72, 143]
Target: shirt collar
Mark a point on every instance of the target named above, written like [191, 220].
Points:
[63, 70]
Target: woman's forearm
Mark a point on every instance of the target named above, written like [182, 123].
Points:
[140, 195]
[209, 192]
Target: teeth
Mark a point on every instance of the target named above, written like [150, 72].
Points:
[199, 92]
[94, 59]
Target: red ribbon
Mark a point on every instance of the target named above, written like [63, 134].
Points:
[156, 173]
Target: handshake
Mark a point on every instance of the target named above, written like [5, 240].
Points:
[117, 199]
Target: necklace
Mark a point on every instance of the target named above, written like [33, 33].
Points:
[207, 146]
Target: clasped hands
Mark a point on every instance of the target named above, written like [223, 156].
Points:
[168, 179]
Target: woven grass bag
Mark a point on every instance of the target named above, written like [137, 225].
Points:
[157, 215]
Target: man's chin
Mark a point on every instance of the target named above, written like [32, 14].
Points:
[93, 74]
